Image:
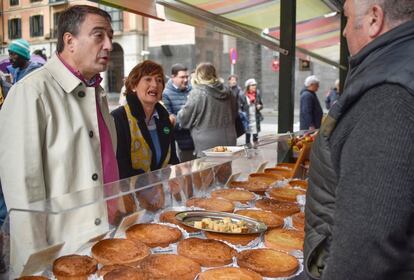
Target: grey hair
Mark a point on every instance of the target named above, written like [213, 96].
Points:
[398, 11]
[395, 11]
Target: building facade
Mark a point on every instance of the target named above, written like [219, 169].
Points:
[36, 22]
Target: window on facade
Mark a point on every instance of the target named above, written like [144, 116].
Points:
[55, 24]
[15, 28]
[36, 26]
[117, 17]
[31, 1]
[14, 2]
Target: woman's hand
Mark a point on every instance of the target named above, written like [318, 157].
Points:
[173, 119]
[259, 106]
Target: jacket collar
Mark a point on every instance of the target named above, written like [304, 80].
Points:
[388, 59]
[63, 76]
[162, 122]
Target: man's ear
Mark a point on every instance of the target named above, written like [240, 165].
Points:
[376, 21]
[68, 41]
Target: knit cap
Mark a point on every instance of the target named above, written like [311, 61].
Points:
[21, 47]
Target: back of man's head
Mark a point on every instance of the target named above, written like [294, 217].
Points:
[72, 18]
[177, 68]
[397, 11]
[20, 47]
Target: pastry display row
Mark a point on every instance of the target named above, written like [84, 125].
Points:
[149, 240]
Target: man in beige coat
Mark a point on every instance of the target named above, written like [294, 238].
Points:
[54, 128]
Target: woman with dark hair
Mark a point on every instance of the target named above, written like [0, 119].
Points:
[144, 130]
[210, 112]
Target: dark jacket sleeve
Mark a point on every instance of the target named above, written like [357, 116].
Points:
[123, 150]
[373, 222]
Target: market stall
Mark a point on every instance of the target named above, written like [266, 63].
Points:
[234, 181]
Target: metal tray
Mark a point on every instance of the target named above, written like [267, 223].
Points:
[189, 217]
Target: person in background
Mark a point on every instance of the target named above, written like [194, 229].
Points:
[232, 82]
[242, 122]
[145, 133]
[174, 97]
[122, 97]
[41, 54]
[210, 111]
[3, 93]
[19, 55]
[310, 108]
[360, 200]
[251, 105]
[57, 137]
[332, 95]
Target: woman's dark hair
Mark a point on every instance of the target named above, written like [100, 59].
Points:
[145, 68]
[71, 19]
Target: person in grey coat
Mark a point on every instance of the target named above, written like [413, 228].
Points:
[210, 111]
[360, 200]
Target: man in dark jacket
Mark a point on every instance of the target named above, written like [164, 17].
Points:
[174, 97]
[360, 200]
[310, 107]
[332, 96]
[19, 55]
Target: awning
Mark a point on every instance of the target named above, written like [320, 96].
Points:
[141, 7]
[318, 25]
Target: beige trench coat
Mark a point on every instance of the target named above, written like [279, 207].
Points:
[49, 147]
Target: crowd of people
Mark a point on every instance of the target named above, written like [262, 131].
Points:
[58, 137]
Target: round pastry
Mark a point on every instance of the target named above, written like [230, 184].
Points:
[234, 195]
[108, 268]
[270, 219]
[151, 199]
[223, 172]
[265, 177]
[74, 267]
[119, 251]
[153, 235]
[203, 179]
[126, 273]
[181, 187]
[235, 239]
[169, 217]
[229, 273]
[32, 278]
[284, 239]
[299, 183]
[169, 266]
[298, 221]
[280, 208]
[212, 204]
[285, 194]
[238, 184]
[280, 171]
[268, 262]
[206, 252]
